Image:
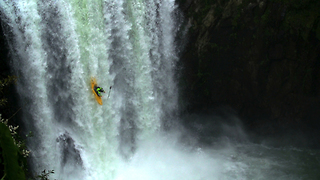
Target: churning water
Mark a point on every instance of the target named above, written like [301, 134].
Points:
[58, 45]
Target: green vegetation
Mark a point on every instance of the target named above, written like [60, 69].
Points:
[13, 151]
[3, 83]
[13, 164]
[13, 155]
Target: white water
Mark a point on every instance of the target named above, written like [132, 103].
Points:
[57, 45]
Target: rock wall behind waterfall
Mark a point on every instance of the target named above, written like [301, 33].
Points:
[9, 92]
[259, 57]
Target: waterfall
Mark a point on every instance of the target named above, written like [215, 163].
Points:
[58, 45]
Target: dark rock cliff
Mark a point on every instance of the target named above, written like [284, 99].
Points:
[8, 92]
[259, 57]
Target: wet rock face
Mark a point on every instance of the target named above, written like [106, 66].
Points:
[8, 92]
[276, 52]
[70, 154]
[258, 57]
[4, 68]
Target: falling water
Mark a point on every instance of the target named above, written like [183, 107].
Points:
[56, 46]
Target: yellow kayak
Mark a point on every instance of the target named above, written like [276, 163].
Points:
[93, 86]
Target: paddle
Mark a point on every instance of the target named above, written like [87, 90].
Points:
[109, 91]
